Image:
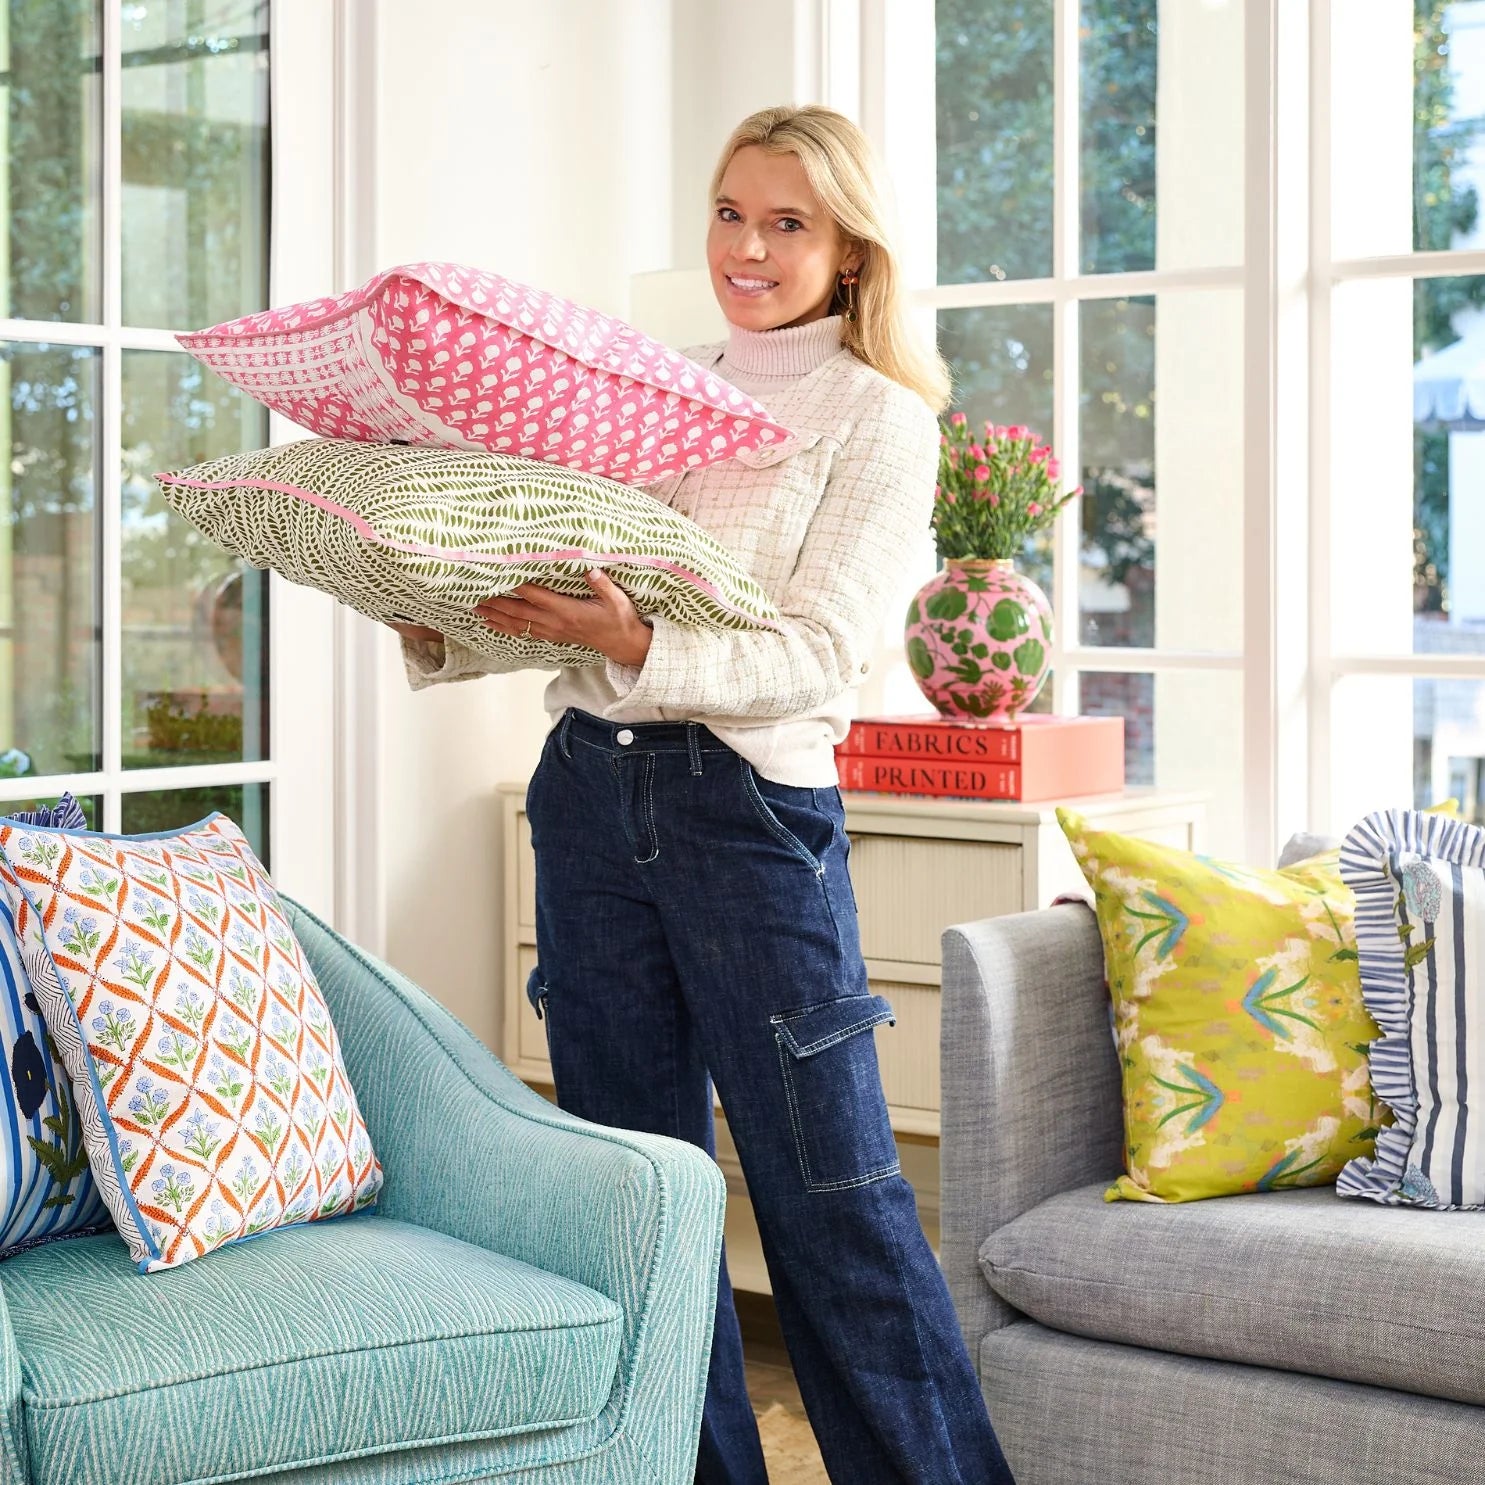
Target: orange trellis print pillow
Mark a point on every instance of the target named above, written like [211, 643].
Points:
[207, 1073]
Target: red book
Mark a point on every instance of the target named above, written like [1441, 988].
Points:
[1036, 757]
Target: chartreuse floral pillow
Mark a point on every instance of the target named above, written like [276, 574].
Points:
[206, 1072]
[1239, 1018]
[426, 533]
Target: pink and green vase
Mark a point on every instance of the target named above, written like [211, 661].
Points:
[979, 638]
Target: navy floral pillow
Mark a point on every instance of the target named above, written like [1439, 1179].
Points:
[46, 1188]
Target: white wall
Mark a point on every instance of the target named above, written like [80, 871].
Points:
[567, 144]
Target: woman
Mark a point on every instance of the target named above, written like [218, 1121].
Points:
[695, 919]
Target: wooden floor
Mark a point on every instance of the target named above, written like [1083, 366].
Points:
[788, 1444]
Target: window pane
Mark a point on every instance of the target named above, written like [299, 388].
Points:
[1180, 206]
[1424, 742]
[247, 804]
[49, 69]
[1001, 359]
[50, 665]
[90, 804]
[994, 101]
[1161, 405]
[1408, 523]
[1407, 126]
[195, 643]
[196, 161]
[1182, 730]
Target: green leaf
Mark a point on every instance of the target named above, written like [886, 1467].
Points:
[979, 651]
[920, 657]
[1404, 929]
[1030, 657]
[913, 614]
[1343, 954]
[1008, 620]
[1415, 954]
[947, 604]
[1000, 660]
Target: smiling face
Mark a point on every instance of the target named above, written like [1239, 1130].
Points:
[774, 252]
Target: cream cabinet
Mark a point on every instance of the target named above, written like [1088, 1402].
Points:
[917, 866]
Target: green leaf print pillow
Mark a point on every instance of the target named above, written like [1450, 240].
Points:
[1238, 1014]
[424, 533]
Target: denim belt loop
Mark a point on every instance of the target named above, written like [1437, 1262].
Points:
[693, 737]
[562, 730]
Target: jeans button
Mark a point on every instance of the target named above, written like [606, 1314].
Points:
[625, 736]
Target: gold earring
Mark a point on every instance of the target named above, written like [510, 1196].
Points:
[848, 283]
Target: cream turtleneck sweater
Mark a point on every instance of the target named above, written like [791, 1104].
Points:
[822, 527]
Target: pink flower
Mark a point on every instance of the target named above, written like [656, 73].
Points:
[1040, 454]
[976, 451]
[1019, 431]
[937, 491]
[982, 471]
[958, 420]
[1053, 469]
[1033, 509]
[951, 498]
[995, 500]
[943, 439]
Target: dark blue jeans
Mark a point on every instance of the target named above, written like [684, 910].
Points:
[695, 922]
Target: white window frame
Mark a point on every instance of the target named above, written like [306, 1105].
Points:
[1331, 661]
[299, 769]
[1289, 660]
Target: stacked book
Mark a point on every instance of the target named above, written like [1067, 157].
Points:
[1035, 757]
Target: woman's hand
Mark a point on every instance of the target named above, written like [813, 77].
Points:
[415, 632]
[607, 622]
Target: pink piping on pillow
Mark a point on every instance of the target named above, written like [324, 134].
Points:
[369, 533]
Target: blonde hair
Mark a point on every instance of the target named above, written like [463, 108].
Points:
[842, 170]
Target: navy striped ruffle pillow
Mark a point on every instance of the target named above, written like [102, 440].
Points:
[1419, 881]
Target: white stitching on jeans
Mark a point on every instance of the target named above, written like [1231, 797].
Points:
[761, 808]
[646, 786]
[786, 1060]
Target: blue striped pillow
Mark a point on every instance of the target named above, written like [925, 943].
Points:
[1419, 881]
[46, 1188]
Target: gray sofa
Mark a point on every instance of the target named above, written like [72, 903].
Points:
[1285, 1337]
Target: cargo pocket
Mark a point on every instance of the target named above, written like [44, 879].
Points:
[828, 1059]
[536, 992]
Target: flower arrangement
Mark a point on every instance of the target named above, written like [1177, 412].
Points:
[993, 491]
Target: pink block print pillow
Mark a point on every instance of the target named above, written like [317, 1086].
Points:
[439, 353]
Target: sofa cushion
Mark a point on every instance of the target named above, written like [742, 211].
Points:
[444, 353]
[1298, 1280]
[203, 1061]
[1419, 882]
[424, 534]
[46, 1188]
[304, 1345]
[1238, 1014]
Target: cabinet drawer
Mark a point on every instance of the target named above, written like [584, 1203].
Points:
[908, 1053]
[531, 1040]
[525, 874]
[908, 891]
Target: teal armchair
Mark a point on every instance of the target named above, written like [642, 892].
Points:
[530, 1301]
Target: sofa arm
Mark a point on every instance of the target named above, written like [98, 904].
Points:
[1031, 1093]
[468, 1149]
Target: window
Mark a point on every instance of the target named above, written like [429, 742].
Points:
[1403, 290]
[1090, 284]
[135, 660]
[1093, 281]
